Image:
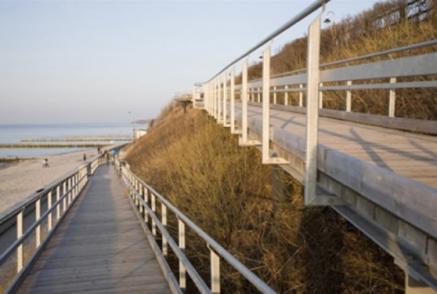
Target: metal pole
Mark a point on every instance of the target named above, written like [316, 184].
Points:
[301, 95]
[220, 103]
[266, 106]
[348, 97]
[182, 269]
[58, 206]
[154, 211]
[286, 95]
[49, 206]
[19, 247]
[225, 101]
[392, 100]
[146, 200]
[215, 272]
[38, 227]
[312, 119]
[244, 127]
[164, 223]
[233, 130]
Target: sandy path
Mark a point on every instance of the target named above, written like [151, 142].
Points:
[20, 180]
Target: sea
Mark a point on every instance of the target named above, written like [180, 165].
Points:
[54, 133]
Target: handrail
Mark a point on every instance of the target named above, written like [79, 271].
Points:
[423, 44]
[66, 190]
[35, 195]
[307, 11]
[35, 224]
[136, 185]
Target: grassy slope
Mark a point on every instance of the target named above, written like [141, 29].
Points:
[224, 188]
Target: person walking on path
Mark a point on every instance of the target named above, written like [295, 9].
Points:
[45, 162]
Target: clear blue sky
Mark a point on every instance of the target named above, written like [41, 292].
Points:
[93, 61]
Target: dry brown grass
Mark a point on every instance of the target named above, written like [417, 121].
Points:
[226, 190]
[355, 36]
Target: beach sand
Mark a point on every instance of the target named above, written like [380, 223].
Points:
[19, 180]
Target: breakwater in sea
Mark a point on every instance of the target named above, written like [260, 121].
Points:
[53, 145]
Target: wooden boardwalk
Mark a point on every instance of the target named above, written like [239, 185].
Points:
[406, 154]
[99, 247]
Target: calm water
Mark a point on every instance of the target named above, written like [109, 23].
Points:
[16, 133]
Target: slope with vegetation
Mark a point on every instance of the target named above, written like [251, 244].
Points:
[226, 190]
[257, 211]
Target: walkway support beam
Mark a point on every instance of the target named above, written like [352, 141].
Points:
[312, 195]
[232, 122]
[266, 158]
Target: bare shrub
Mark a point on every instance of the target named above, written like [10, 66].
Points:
[226, 190]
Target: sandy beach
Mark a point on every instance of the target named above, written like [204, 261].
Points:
[19, 180]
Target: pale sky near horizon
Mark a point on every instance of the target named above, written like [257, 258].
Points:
[94, 61]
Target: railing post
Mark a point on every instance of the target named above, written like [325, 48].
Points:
[392, 100]
[215, 271]
[233, 129]
[266, 159]
[348, 97]
[58, 205]
[209, 98]
[286, 95]
[217, 100]
[154, 211]
[312, 119]
[71, 188]
[65, 196]
[274, 96]
[225, 100]
[164, 223]
[140, 192]
[266, 106]
[74, 183]
[19, 235]
[146, 200]
[259, 95]
[300, 95]
[38, 227]
[244, 127]
[213, 98]
[181, 239]
[49, 206]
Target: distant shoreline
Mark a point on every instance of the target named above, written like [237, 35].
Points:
[6, 161]
[20, 178]
[51, 145]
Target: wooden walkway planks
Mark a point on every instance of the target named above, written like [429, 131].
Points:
[407, 154]
[99, 247]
